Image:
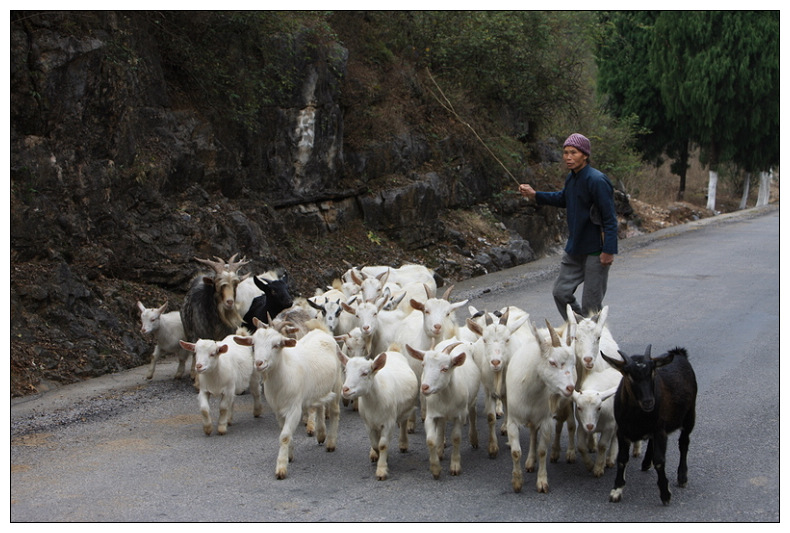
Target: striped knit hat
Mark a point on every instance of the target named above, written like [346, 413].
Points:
[577, 140]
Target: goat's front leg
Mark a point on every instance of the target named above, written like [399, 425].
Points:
[154, 359]
[623, 449]
[455, 437]
[205, 411]
[659, 442]
[288, 425]
[225, 412]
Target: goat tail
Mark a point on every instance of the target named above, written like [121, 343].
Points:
[679, 351]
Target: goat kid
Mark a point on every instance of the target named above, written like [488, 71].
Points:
[224, 369]
[167, 329]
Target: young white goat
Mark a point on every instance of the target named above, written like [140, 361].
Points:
[167, 330]
[385, 389]
[537, 376]
[450, 382]
[297, 376]
[595, 415]
[224, 369]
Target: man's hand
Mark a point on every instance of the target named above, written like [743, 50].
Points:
[606, 259]
[526, 191]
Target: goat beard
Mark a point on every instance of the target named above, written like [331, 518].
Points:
[230, 317]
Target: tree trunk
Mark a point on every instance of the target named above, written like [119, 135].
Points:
[747, 179]
[713, 180]
[681, 168]
[765, 189]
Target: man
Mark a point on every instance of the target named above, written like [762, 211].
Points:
[588, 198]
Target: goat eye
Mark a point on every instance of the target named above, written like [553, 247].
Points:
[444, 369]
[552, 363]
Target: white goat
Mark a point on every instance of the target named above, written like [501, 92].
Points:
[450, 382]
[537, 375]
[428, 324]
[595, 414]
[224, 369]
[498, 341]
[298, 375]
[328, 304]
[385, 389]
[593, 337]
[355, 344]
[167, 330]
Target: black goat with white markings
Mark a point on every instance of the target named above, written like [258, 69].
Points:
[656, 397]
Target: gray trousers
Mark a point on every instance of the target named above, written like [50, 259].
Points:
[575, 270]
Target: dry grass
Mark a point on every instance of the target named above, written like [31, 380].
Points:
[659, 187]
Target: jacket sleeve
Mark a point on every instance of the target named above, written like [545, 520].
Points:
[603, 197]
[556, 199]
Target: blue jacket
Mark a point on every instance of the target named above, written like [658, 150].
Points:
[583, 189]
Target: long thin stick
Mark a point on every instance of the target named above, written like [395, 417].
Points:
[449, 107]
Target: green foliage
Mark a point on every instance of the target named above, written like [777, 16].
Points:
[717, 68]
[532, 63]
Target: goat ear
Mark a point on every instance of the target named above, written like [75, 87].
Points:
[189, 346]
[260, 283]
[222, 349]
[257, 322]
[459, 359]
[341, 356]
[140, 306]
[379, 361]
[474, 327]
[243, 341]
[417, 354]
[289, 343]
[664, 359]
[614, 363]
[162, 309]
[416, 304]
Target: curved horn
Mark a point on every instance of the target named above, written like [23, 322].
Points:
[450, 348]
[647, 351]
[446, 295]
[625, 356]
[555, 339]
[504, 317]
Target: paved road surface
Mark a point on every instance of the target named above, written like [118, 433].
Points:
[118, 448]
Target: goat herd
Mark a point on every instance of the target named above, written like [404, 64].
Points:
[382, 338]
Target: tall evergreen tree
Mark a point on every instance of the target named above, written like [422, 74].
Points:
[706, 62]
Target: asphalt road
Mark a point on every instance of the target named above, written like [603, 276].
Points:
[118, 448]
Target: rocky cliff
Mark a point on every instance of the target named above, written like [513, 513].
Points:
[127, 161]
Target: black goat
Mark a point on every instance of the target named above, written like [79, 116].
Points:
[656, 397]
[274, 299]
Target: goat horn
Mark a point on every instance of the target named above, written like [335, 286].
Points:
[647, 351]
[450, 348]
[625, 356]
[217, 266]
[446, 295]
[234, 266]
[555, 340]
[504, 317]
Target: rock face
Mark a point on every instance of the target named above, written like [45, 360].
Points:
[121, 174]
